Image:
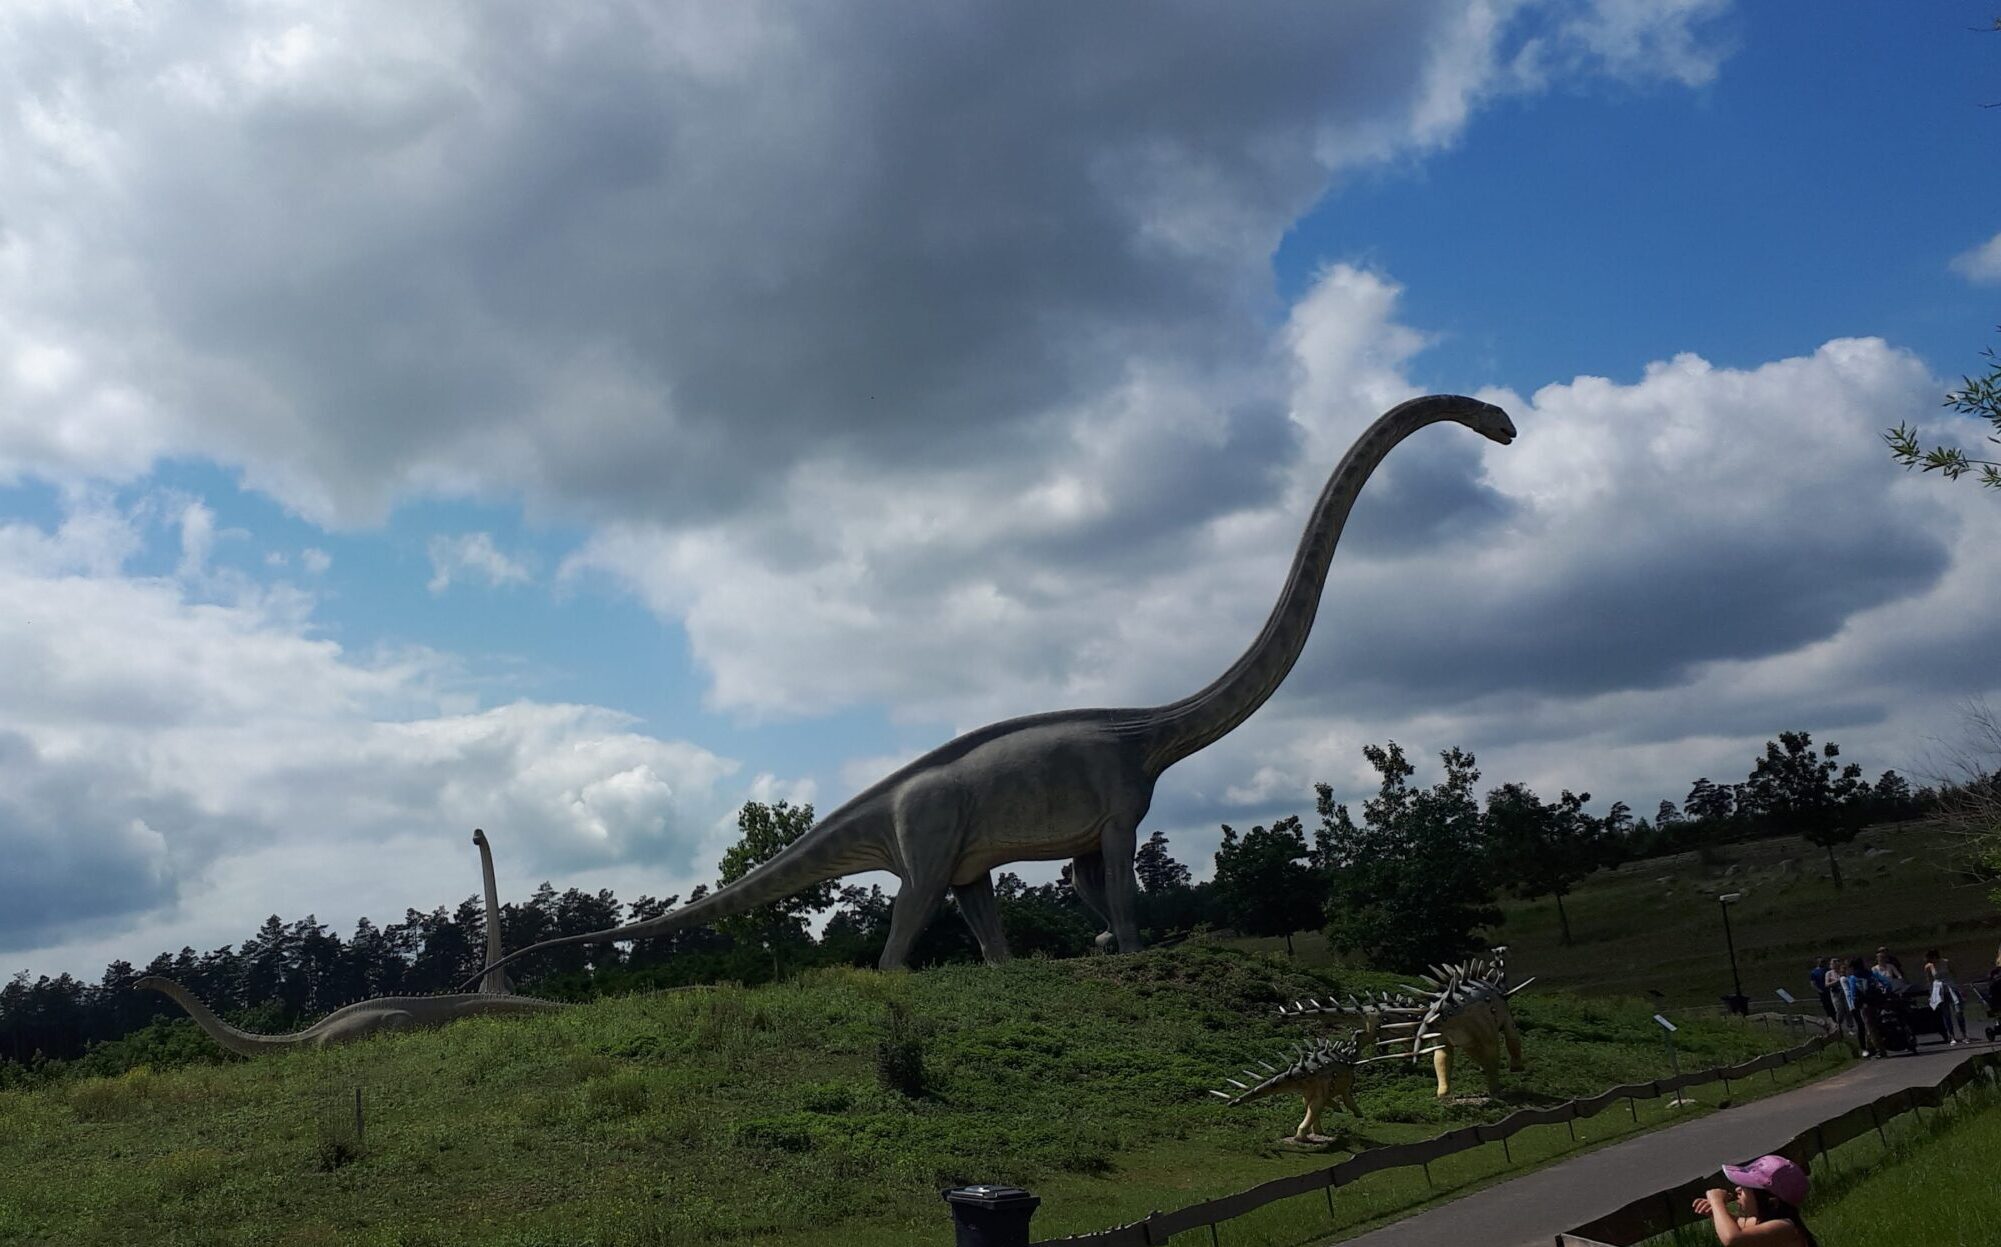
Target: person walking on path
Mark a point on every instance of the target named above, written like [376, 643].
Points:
[1768, 1196]
[1945, 998]
[1838, 997]
[1889, 967]
[1865, 990]
[1816, 974]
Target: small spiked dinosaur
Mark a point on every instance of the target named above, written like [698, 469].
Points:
[1463, 1007]
[1319, 1071]
[1069, 784]
[383, 1013]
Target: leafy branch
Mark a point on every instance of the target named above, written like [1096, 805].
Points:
[1976, 396]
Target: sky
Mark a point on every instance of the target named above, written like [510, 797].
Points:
[575, 421]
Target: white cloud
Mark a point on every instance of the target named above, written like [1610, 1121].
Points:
[197, 538]
[1640, 39]
[1981, 264]
[173, 766]
[315, 560]
[472, 556]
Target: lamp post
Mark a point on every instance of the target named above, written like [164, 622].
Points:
[1739, 1003]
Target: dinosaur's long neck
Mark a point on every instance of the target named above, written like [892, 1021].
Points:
[495, 981]
[833, 849]
[241, 1042]
[1193, 723]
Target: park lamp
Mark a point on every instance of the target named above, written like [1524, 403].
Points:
[1737, 1003]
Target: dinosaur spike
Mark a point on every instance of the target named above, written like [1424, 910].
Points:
[1221, 1095]
[1234, 1083]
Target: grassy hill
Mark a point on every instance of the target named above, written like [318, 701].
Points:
[758, 1116]
[1656, 925]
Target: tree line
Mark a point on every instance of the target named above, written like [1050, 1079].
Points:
[1409, 879]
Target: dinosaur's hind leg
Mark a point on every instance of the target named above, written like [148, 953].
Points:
[982, 914]
[916, 903]
[1121, 843]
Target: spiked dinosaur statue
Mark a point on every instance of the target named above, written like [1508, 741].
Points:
[1319, 1071]
[1072, 783]
[383, 1013]
[1463, 1007]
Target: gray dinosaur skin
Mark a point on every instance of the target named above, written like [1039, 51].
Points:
[1073, 783]
[356, 1021]
[495, 982]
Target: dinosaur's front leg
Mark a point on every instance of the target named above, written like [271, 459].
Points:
[982, 914]
[1514, 1038]
[1441, 1064]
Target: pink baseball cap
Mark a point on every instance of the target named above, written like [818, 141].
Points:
[1771, 1173]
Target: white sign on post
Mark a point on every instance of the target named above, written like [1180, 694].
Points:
[1670, 1027]
[1785, 995]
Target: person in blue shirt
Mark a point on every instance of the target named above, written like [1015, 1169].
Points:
[1817, 975]
[1866, 991]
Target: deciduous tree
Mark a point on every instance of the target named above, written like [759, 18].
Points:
[1264, 882]
[1544, 848]
[1410, 883]
[767, 831]
[1801, 792]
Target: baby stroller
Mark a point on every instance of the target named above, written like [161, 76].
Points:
[1990, 995]
[1902, 1013]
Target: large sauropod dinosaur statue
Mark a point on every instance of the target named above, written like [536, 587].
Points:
[362, 1018]
[1073, 783]
[1319, 1071]
[1462, 1007]
[495, 982]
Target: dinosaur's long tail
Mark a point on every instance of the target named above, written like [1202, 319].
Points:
[241, 1042]
[829, 851]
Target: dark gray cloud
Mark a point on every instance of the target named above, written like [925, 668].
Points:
[635, 261]
[85, 845]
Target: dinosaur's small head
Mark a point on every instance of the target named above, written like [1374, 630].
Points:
[150, 983]
[1485, 419]
[479, 837]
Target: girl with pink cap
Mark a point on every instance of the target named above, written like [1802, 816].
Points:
[1769, 1193]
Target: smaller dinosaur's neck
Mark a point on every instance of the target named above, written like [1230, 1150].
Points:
[241, 1042]
[495, 980]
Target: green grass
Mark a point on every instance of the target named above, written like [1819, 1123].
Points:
[1655, 924]
[1933, 1185]
[755, 1116]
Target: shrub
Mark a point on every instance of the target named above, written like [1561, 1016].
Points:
[899, 1054]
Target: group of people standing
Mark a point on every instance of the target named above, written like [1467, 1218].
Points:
[1855, 992]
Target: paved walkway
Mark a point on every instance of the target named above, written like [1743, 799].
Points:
[1530, 1211]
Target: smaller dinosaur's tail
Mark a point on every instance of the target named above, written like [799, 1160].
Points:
[241, 1042]
[1303, 1061]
